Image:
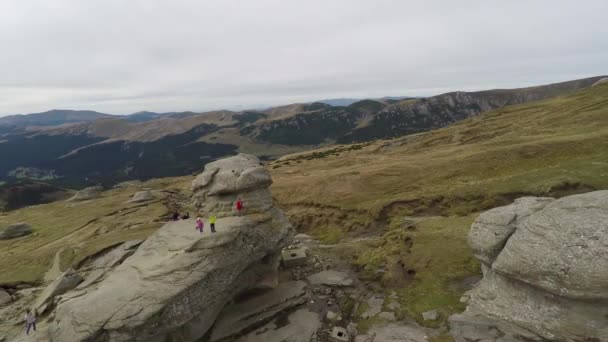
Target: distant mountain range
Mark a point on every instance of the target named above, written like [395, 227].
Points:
[85, 147]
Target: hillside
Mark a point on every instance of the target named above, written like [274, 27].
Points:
[399, 210]
[51, 118]
[147, 145]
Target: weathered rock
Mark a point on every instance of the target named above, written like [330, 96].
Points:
[301, 326]
[387, 316]
[67, 281]
[107, 261]
[303, 237]
[374, 307]
[431, 315]
[224, 181]
[549, 276]
[331, 278]
[178, 281]
[242, 317]
[394, 332]
[15, 230]
[142, 196]
[5, 298]
[87, 194]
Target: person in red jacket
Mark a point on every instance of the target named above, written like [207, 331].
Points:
[239, 206]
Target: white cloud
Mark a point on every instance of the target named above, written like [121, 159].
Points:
[121, 56]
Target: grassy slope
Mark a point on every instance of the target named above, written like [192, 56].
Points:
[554, 147]
[524, 148]
[79, 229]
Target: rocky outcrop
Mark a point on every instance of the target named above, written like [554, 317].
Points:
[178, 280]
[223, 182]
[545, 265]
[109, 260]
[15, 230]
[5, 297]
[87, 194]
[142, 196]
[67, 281]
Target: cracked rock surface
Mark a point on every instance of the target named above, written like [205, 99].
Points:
[545, 265]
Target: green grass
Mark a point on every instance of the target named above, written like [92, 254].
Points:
[436, 250]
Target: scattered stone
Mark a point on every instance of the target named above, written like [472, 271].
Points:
[294, 257]
[352, 328]
[331, 278]
[331, 316]
[544, 265]
[142, 196]
[303, 238]
[87, 194]
[432, 315]
[394, 332]
[374, 307]
[5, 298]
[67, 281]
[15, 230]
[339, 334]
[387, 316]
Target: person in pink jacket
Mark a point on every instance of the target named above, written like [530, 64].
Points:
[199, 224]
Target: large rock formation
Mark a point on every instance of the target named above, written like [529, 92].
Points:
[176, 283]
[545, 265]
[224, 181]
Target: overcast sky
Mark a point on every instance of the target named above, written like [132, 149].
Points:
[123, 56]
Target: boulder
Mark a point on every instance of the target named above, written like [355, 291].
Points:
[331, 278]
[5, 298]
[87, 194]
[15, 230]
[178, 280]
[142, 196]
[431, 315]
[217, 189]
[548, 275]
[67, 281]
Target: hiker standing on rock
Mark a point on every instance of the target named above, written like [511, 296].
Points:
[30, 321]
[239, 206]
[212, 219]
[199, 224]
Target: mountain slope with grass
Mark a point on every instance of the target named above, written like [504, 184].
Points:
[147, 145]
[399, 210]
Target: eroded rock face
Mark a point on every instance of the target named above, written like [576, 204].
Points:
[178, 280]
[226, 180]
[545, 266]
